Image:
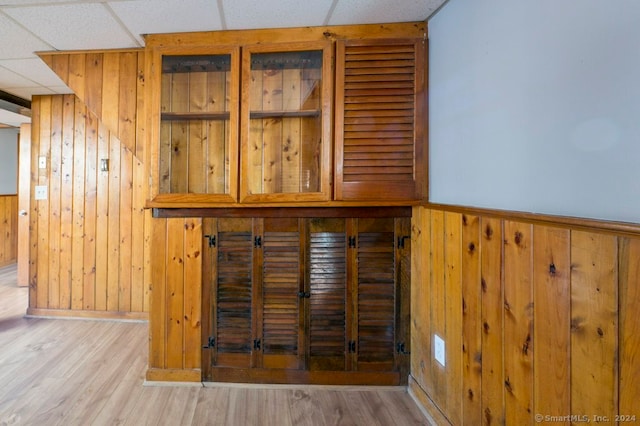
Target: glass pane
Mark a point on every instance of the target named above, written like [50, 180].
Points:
[285, 122]
[194, 130]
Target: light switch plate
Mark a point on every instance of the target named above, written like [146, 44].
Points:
[41, 192]
[438, 349]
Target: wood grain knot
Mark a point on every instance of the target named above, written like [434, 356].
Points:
[488, 231]
[552, 269]
[518, 237]
[472, 247]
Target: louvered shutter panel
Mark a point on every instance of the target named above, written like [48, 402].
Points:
[379, 116]
[281, 283]
[233, 292]
[376, 297]
[327, 285]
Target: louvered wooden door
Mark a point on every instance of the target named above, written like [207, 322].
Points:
[380, 111]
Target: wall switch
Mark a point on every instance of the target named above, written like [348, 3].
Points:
[42, 162]
[438, 349]
[41, 192]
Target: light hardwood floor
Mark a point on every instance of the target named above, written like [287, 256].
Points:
[89, 372]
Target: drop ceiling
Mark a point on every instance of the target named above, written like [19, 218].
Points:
[29, 26]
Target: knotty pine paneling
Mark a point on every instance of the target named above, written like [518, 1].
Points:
[88, 240]
[538, 319]
[8, 229]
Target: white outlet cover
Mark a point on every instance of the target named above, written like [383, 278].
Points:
[438, 349]
[42, 162]
[41, 192]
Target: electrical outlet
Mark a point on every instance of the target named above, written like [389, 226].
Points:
[41, 192]
[438, 349]
[42, 162]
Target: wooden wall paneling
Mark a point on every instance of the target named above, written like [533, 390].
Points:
[272, 131]
[179, 139]
[128, 100]
[197, 153]
[438, 304]
[54, 201]
[518, 323]
[492, 322]
[113, 224]
[141, 107]
[60, 65]
[310, 128]
[471, 322]
[126, 250]
[421, 298]
[252, 100]
[77, 77]
[66, 200]
[79, 160]
[90, 210]
[175, 272]
[453, 314]
[192, 311]
[594, 323]
[629, 342]
[111, 91]
[291, 148]
[93, 82]
[217, 156]
[41, 149]
[5, 228]
[552, 320]
[102, 220]
[158, 295]
[34, 206]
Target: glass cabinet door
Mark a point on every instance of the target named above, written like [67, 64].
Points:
[198, 140]
[285, 123]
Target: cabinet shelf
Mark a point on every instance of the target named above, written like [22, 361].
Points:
[284, 114]
[183, 116]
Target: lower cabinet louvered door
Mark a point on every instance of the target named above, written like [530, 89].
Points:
[306, 300]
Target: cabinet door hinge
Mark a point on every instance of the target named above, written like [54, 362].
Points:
[256, 344]
[401, 240]
[352, 347]
[352, 242]
[211, 342]
[401, 349]
[211, 239]
[257, 242]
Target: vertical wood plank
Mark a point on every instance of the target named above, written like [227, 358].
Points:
[453, 314]
[102, 222]
[164, 148]
[471, 322]
[66, 199]
[111, 91]
[438, 304]
[78, 211]
[192, 290]
[254, 173]
[197, 154]
[24, 203]
[421, 298]
[126, 250]
[518, 323]
[127, 100]
[272, 131]
[291, 144]
[138, 237]
[113, 224]
[77, 77]
[552, 316]
[93, 82]
[492, 322]
[174, 316]
[54, 201]
[41, 277]
[179, 139]
[629, 349]
[594, 323]
[34, 206]
[158, 296]
[90, 210]
[217, 156]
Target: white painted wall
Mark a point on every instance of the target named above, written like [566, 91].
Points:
[9, 161]
[535, 106]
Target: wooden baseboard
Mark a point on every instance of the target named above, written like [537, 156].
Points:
[429, 408]
[73, 314]
[173, 375]
[275, 376]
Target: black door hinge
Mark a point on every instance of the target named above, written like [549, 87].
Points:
[352, 347]
[211, 239]
[211, 342]
[304, 294]
[401, 349]
[352, 242]
[256, 344]
[401, 241]
[257, 242]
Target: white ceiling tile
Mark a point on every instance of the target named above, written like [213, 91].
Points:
[382, 11]
[16, 41]
[246, 14]
[74, 26]
[28, 92]
[10, 79]
[33, 69]
[167, 16]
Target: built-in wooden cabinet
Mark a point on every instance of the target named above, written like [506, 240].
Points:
[380, 120]
[306, 300]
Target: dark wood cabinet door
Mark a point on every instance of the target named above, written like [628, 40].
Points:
[380, 138]
[327, 288]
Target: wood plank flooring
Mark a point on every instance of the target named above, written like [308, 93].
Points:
[90, 372]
